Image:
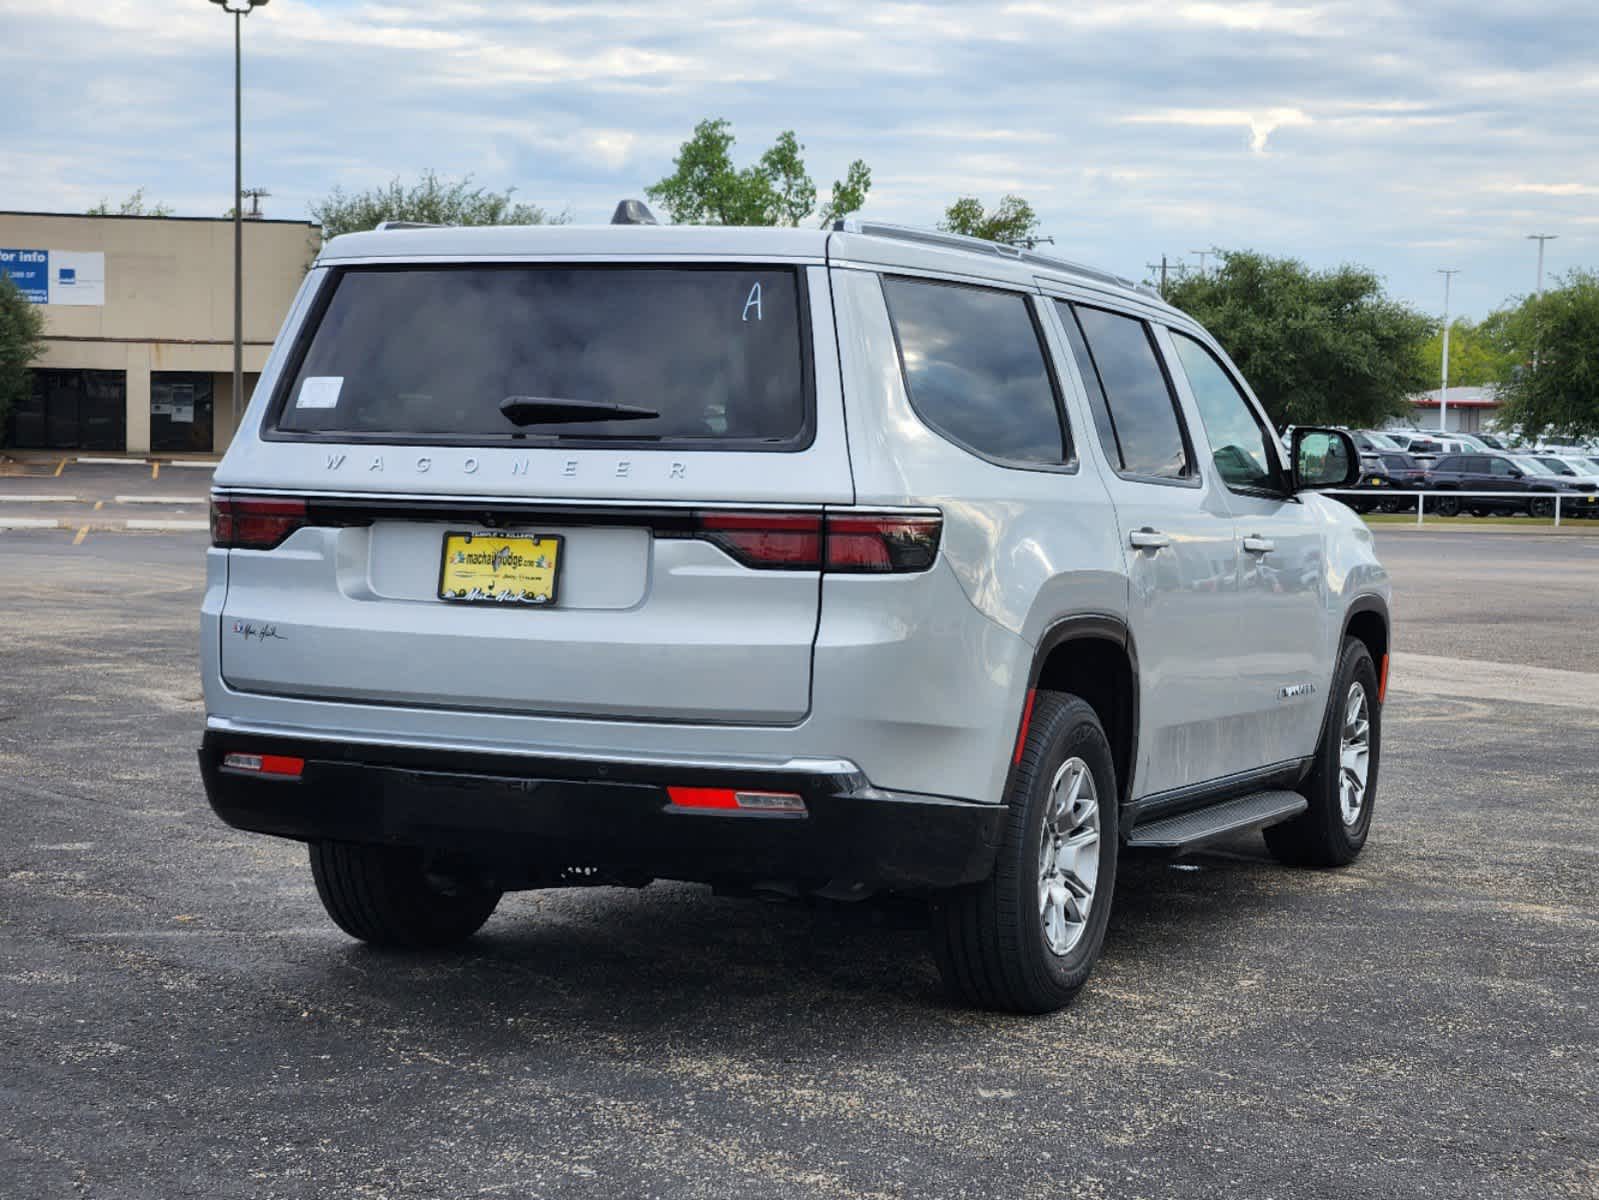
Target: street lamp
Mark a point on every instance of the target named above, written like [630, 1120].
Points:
[239, 9]
[1540, 238]
[1443, 392]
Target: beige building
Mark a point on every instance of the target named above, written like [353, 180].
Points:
[139, 325]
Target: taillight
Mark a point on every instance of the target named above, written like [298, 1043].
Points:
[789, 541]
[736, 800]
[853, 542]
[280, 766]
[874, 543]
[253, 522]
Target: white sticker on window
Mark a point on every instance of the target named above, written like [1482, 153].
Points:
[319, 391]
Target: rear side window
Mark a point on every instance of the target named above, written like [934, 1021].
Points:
[975, 369]
[1450, 464]
[1118, 362]
[717, 355]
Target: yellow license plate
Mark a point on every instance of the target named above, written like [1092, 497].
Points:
[492, 568]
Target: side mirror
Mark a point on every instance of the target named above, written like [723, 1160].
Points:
[1517, 473]
[1324, 458]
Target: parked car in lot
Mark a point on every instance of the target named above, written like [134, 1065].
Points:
[1570, 466]
[1518, 483]
[1427, 449]
[1388, 471]
[791, 561]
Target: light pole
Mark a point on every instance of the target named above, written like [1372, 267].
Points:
[239, 9]
[1443, 392]
[1540, 238]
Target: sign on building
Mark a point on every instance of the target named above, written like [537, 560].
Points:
[57, 276]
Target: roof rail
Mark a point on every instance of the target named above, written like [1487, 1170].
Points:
[959, 241]
[385, 226]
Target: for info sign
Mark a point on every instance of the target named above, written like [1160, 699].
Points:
[57, 276]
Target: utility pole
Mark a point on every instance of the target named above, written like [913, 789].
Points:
[1203, 254]
[1540, 238]
[1443, 392]
[1161, 267]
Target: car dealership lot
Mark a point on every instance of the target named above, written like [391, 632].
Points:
[180, 1019]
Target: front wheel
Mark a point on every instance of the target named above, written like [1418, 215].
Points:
[1542, 507]
[1342, 783]
[1026, 938]
[383, 895]
[1447, 506]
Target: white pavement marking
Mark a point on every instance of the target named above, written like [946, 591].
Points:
[1515, 683]
[204, 466]
[160, 499]
[38, 499]
[29, 523]
[115, 462]
[166, 526]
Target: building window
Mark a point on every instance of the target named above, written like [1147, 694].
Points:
[72, 410]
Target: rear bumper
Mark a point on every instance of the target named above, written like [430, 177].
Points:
[541, 815]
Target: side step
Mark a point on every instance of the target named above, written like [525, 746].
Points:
[1190, 828]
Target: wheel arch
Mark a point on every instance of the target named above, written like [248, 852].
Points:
[1367, 619]
[1092, 656]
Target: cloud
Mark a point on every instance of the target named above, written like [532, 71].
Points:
[1375, 131]
[1260, 125]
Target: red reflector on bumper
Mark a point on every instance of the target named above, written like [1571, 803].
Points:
[280, 765]
[731, 800]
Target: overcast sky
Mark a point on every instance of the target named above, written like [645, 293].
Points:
[1406, 136]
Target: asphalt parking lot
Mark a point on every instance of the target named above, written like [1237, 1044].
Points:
[178, 1018]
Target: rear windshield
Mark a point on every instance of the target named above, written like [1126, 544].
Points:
[536, 353]
[1399, 462]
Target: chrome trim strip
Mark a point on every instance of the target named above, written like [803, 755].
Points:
[790, 766]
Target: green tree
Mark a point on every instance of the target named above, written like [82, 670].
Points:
[134, 206]
[21, 341]
[1318, 347]
[1481, 353]
[705, 188]
[430, 199]
[1013, 222]
[1561, 395]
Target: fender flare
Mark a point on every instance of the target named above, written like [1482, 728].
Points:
[1078, 627]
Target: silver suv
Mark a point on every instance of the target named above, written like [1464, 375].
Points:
[815, 562]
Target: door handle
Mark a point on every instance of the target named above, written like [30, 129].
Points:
[1256, 544]
[1148, 539]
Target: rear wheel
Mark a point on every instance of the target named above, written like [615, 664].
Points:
[382, 895]
[1343, 781]
[1026, 939]
[1447, 506]
[1542, 507]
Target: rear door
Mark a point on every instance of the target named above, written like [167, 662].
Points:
[545, 488]
[1177, 535]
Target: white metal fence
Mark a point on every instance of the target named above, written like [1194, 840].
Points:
[1574, 504]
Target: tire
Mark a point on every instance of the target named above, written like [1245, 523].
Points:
[382, 895]
[1541, 507]
[1326, 834]
[1447, 506]
[990, 938]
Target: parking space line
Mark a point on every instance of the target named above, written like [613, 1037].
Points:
[160, 499]
[167, 526]
[83, 532]
[115, 462]
[155, 470]
[39, 498]
[98, 505]
[29, 523]
[60, 467]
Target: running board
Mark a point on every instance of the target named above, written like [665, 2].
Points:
[1190, 828]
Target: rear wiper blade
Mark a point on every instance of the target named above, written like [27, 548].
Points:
[549, 410]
